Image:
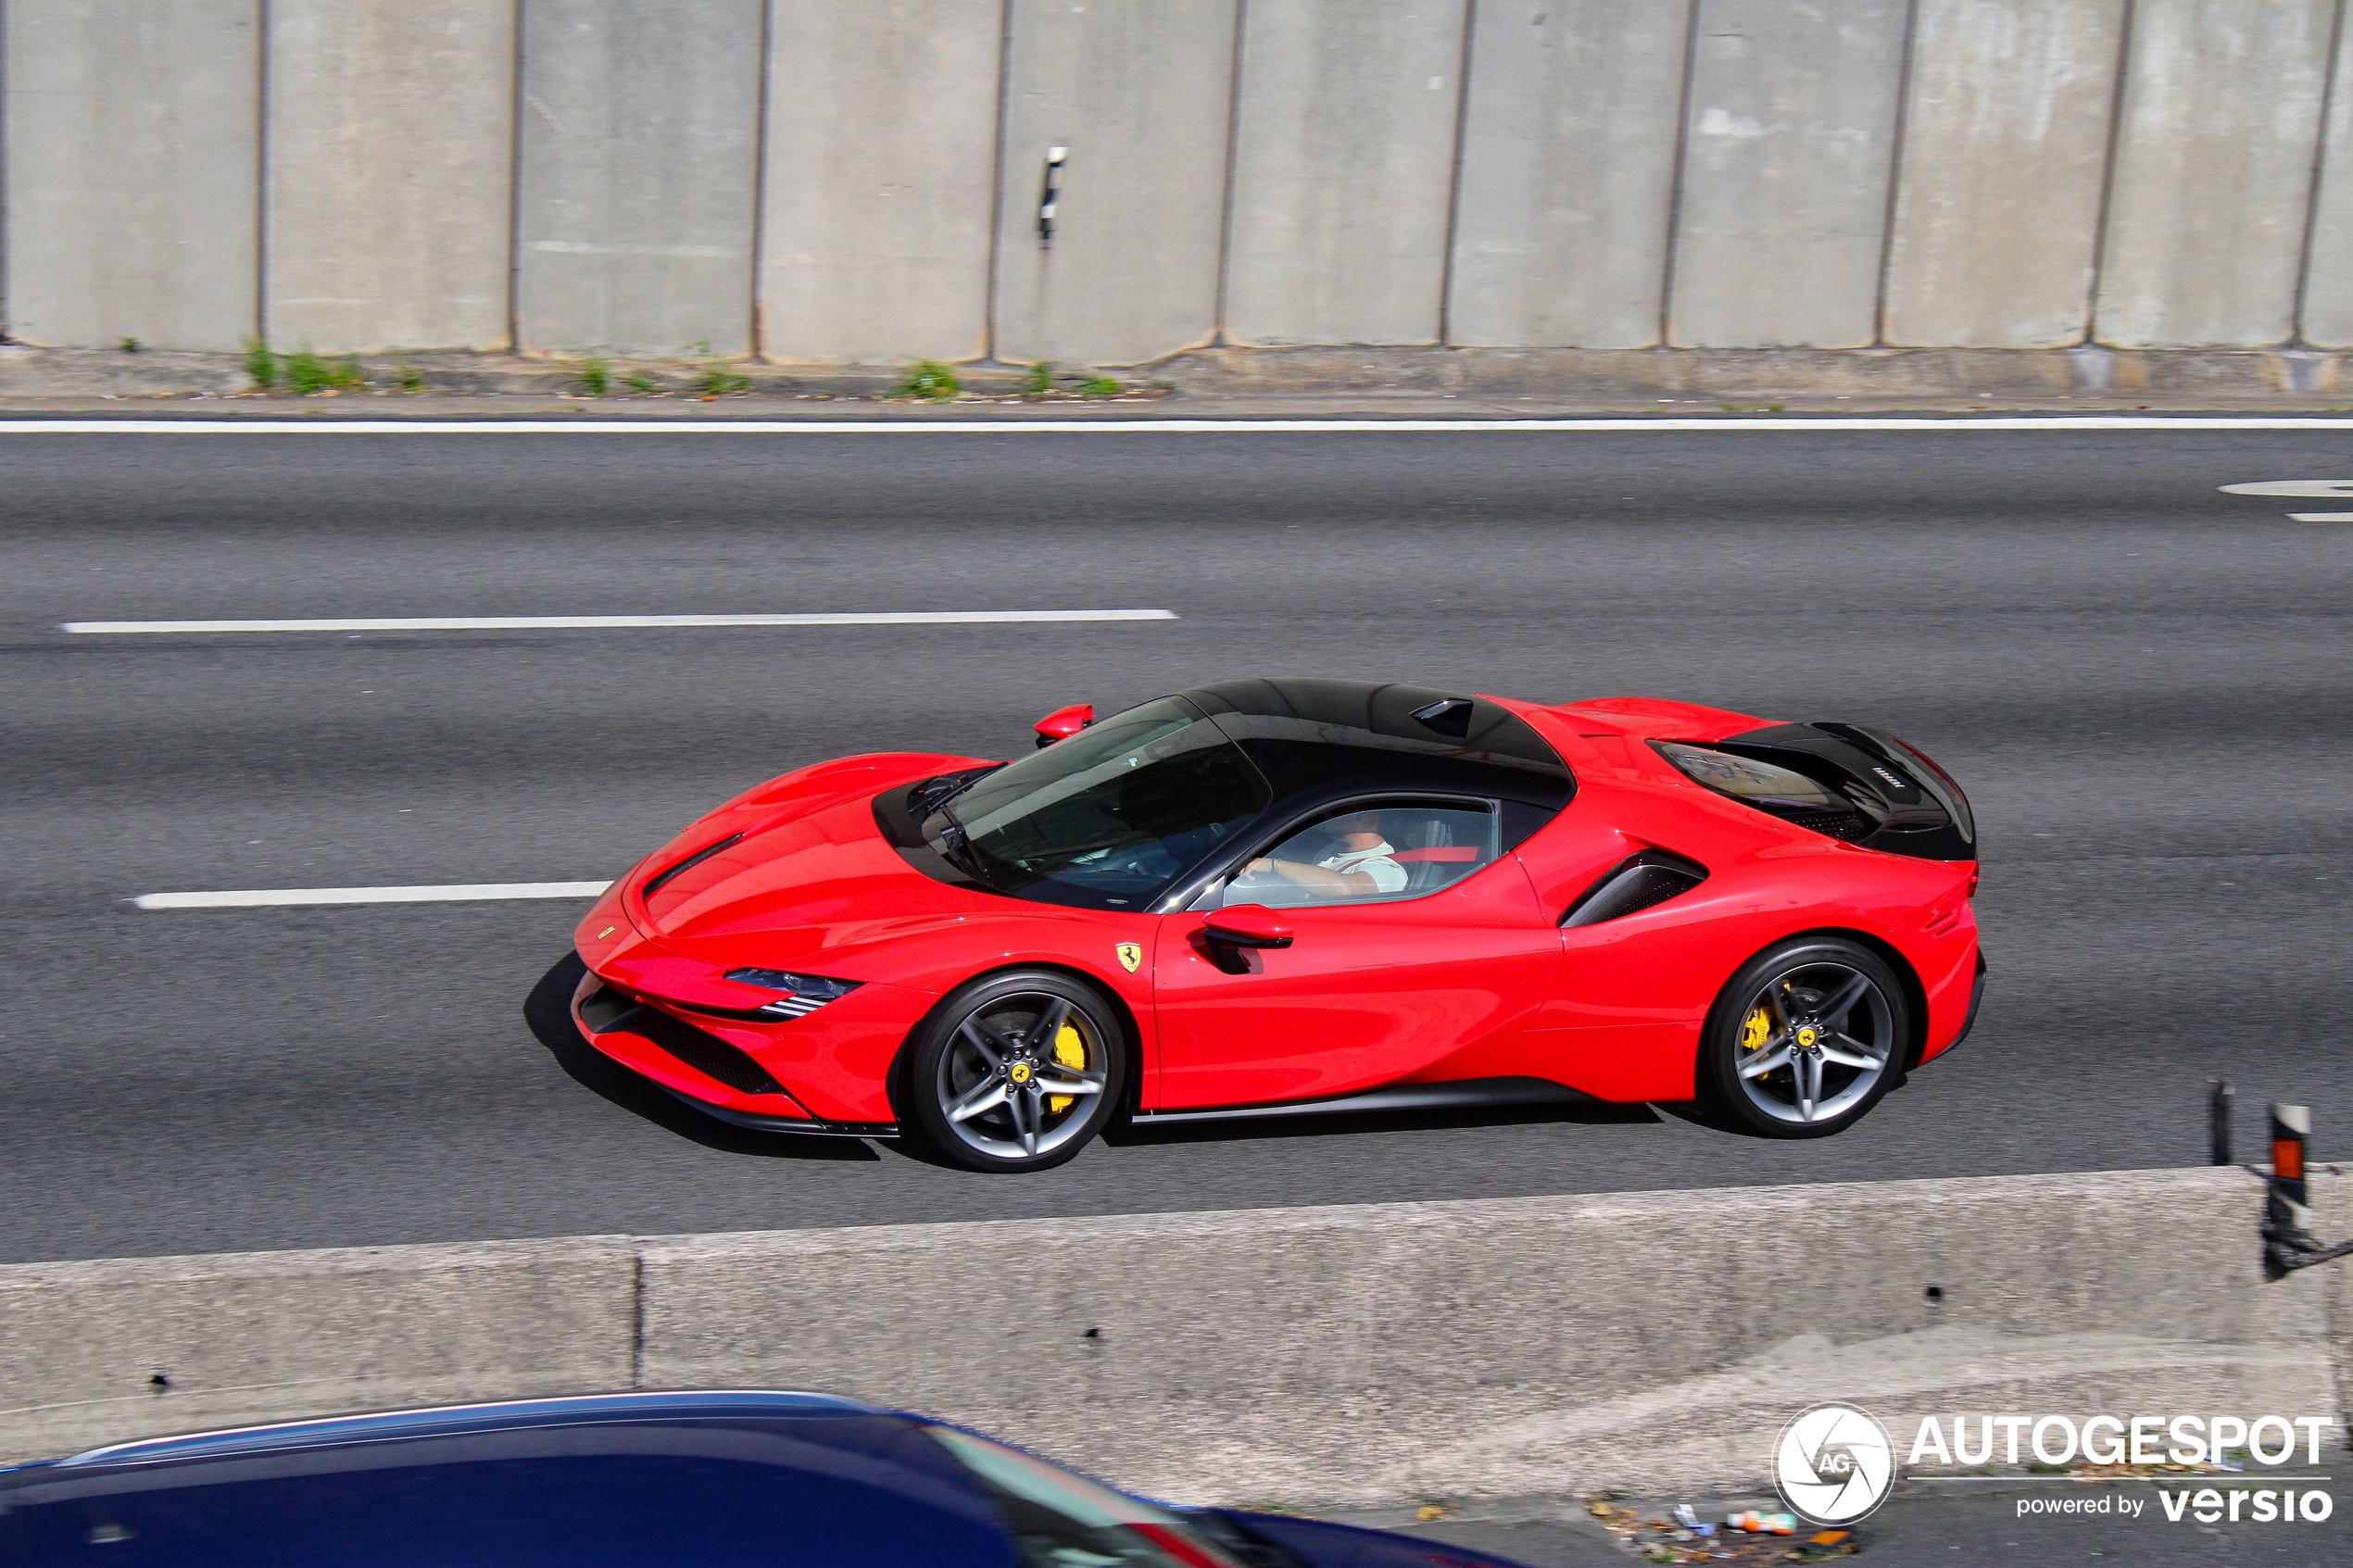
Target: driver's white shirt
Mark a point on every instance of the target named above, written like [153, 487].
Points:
[1387, 874]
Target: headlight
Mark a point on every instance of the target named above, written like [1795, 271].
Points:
[804, 992]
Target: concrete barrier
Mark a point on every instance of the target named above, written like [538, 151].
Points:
[2006, 137]
[95, 1352]
[2213, 181]
[1786, 163]
[882, 154]
[389, 146]
[132, 208]
[1569, 164]
[1343, 168]
[1140, 92]
[1356, 1355]
[2326, 313]
[640, 132]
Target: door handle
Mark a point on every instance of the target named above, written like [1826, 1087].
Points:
[1228, 932]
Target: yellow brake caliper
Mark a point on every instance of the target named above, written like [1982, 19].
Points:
[1755, 1029]
[1070, 1049]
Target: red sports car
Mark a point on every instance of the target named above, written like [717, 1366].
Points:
[1285, 898]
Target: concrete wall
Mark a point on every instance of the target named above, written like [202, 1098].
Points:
[2327, 306]
[882, 152]
[2213, 178]
[1518, 174]
[1140, 92]
[2006, 137]
[1568, 168]
[1788, 156]
[1367, 1354]
[640, 160]
[391, 144]
[132, 130]
[1343, 171]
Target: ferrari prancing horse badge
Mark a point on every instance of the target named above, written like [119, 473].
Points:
[1130, 955]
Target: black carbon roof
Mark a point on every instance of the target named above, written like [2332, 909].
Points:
[1309, 735]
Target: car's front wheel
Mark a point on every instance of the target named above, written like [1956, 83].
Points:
[1015, 1072]
[1805, 1039]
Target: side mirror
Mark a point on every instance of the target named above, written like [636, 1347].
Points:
[1064, 722]
[1246, 925]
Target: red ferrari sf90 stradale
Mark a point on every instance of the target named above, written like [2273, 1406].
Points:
[1282, 898]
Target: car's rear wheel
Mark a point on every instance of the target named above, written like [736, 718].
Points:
[1015, 1071]
[1805, 1039]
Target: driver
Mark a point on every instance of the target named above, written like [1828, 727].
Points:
[1363, 867]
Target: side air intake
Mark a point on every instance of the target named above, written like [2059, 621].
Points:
[1634, 883]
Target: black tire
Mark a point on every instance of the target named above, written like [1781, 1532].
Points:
[1815, 1013]
[977, 1081]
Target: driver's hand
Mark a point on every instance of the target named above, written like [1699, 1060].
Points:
[1259, 867]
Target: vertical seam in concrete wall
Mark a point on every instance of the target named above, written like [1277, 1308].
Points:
[4, 170]
[263, 20]
[2319, 162]
[1217, 338]
[1675, 188]
[2107, 173]
[760, 180]
[514, 183]
[1455, 179]
[997, 179]
[637, 1315]
[1895, 172]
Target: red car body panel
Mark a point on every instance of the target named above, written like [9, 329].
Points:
[1476, 980]
[1376, 994]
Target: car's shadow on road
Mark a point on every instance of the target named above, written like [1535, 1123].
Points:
[547, 1011]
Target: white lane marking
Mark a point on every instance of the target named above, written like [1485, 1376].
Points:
[1136, 427]
[2290, 488]
[561, 622]
[454, 893]
[2320, 517]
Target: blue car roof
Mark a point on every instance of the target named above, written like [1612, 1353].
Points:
[437, 1419]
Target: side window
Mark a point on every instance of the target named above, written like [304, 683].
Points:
[1365, 852]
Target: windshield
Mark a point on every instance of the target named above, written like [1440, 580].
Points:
[1107, 818]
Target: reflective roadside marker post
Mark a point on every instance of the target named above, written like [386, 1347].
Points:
[1051, 195]
[2218, 1121]
[2287, 1244]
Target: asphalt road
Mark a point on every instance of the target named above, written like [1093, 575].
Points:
[2144, 683]
[1994, 1521]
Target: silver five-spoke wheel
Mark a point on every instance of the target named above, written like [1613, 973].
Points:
[1015, 1076]
[1814, 1042]
[1806, 1038]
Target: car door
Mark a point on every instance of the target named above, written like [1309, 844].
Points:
[1376, 985]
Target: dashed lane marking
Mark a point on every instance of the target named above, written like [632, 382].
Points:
[451, 893]
[599, 623]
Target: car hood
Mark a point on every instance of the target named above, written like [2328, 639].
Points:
[795, 873]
